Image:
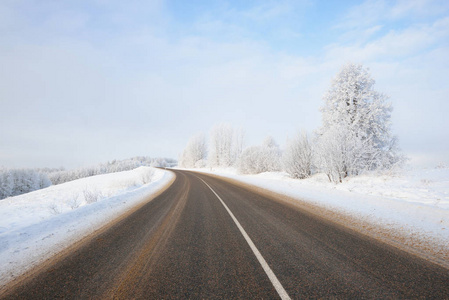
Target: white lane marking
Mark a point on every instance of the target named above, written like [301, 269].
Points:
[274, 280]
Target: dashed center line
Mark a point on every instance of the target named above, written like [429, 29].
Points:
[274, 280]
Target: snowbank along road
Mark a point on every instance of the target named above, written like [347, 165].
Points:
[207, 238]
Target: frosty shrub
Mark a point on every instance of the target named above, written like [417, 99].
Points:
[195, 153]
[356, 132]
[54, 209]
[258, 159]
[74, 202]
[91, 196]
[251, 161]
[441, 165]
[147, 176]
[335, 154]
[298, 156]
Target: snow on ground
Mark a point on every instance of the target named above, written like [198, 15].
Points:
[37, 225]
[412, 205]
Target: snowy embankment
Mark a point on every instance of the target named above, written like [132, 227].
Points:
[409, 209]
[37, 225]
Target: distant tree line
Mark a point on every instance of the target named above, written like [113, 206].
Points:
[355, 137]
[113, 166]
[15, 182]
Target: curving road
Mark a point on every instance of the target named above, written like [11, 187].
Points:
[205, 238]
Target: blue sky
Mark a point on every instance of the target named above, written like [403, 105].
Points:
[84, 82]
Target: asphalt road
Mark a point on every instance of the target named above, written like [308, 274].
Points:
[207, 238]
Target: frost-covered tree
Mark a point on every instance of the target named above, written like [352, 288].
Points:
[271, 155]
[6, 183]
[239, 143]
[15, 182]
[258, 159]
[225, 147]
[335, 153]
[251, 161]
[298, 156]
[195, 153]
[356, 132]
[221, 146]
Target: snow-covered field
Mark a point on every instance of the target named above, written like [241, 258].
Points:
[410, 207]
[36, 225]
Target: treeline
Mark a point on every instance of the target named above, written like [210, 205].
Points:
[355, 137]
[15, 182]
[113, 166]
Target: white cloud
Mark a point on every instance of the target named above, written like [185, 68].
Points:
[396, 44]
[267, 11]
[375, 12]
[417, 8]
[363, 15]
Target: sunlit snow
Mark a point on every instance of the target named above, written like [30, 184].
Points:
[417, 200]
[36, 225]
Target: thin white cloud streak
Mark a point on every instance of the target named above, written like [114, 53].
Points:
[371, 12]
[396, 44]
